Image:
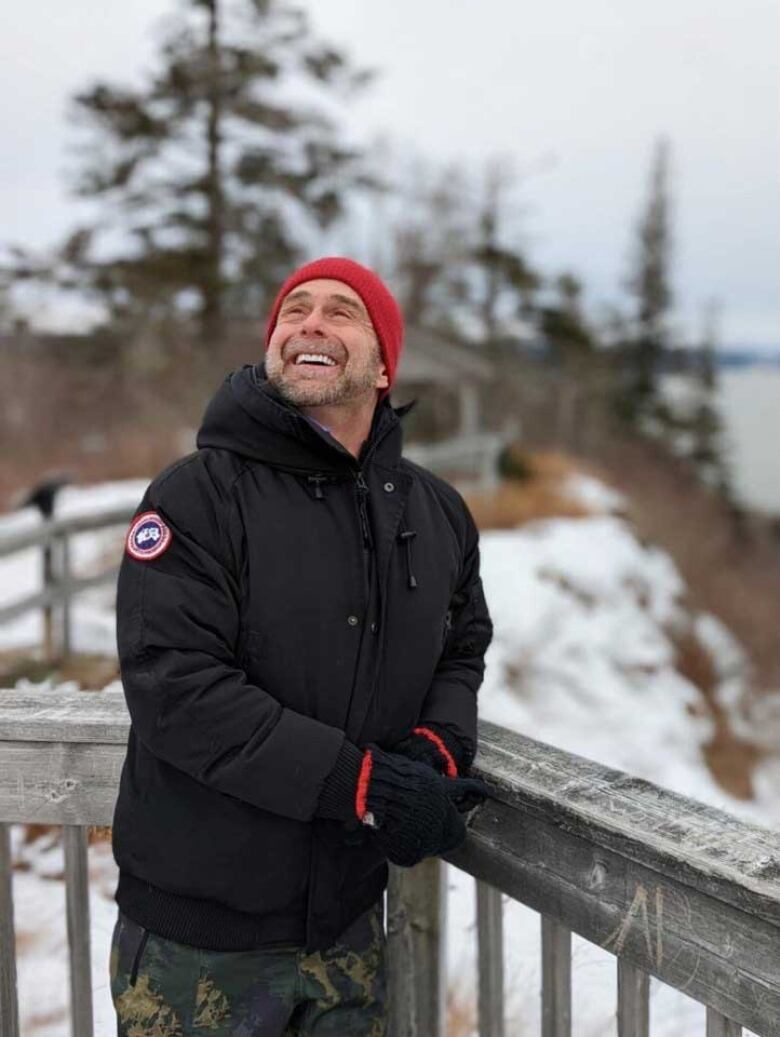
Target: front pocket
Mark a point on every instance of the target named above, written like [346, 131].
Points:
[138, 956]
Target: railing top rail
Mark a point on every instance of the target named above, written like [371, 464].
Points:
[48, 529]
[734, 860]
[679, 889]
[56, 716]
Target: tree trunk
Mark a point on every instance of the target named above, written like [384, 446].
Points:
[211, 311]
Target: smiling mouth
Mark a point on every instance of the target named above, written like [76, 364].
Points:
[315, 365]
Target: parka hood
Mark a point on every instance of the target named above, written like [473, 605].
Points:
[248, 416]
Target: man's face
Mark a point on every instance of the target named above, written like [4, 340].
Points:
[327, 318]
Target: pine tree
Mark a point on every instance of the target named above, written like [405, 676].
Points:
[213, 172]
[457, 272]
[562, 322]
[504, 277]
[650, 286]
[707, 447]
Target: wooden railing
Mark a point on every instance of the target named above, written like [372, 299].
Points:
[673, 888]
[471, 461]
[58, 583]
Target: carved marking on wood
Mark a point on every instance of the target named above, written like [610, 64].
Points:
[692, 976]
[620, 934]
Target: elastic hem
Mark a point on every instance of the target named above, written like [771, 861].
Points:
[206, 924]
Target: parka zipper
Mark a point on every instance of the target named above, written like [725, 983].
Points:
[363, 492]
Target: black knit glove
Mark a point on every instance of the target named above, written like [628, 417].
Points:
[433, 744]
[413, 811]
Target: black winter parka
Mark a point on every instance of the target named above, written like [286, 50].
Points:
[303, 596]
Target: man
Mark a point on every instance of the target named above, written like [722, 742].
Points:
[301, 630]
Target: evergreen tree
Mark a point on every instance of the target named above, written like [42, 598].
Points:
[650, 286]
[210, 168]
[505, 282]
[707, 447]
[457, 272]
[562, 323]
[431, 237]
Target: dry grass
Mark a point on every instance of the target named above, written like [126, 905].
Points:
[541, 495]
[731, 759]
[730, 562]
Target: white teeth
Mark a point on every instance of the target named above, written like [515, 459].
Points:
[316, 357]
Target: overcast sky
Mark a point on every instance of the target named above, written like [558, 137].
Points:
[575, 93]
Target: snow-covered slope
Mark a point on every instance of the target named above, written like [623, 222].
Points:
[583, 656]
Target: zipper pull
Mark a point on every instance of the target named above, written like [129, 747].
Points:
[363, 492]
[317, 480]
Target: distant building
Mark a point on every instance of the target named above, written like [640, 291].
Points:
[449, 378]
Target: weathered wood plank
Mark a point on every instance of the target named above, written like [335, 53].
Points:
[77, 905]
[55, 716]
[52, 783]
[54, 592]
[49, 529]
[633, 993]
[416, 944]
[733, 860]
[490, 961]
[556, 978]
[9, 1005]
[719, 1026]
[715, 952]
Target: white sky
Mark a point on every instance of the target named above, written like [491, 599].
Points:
[575, 93]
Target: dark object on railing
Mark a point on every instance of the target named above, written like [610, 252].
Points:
[44, 494]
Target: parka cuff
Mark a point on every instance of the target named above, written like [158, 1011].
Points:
[337, 799]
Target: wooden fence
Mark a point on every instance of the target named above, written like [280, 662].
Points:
[673, 888]
[470, 462]
[53, 536]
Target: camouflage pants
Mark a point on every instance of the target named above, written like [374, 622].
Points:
[161, 988]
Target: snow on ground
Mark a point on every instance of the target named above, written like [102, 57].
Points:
[593, 494]
[582, 657]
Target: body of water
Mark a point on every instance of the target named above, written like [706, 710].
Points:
[749, 403]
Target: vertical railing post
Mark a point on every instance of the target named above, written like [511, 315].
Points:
[75, 842]
[719, 1026]
[556, 978]
[48, 577]
[9, 1005]
[416, 963]
[64, 591]
[490, 960]
[633, 991]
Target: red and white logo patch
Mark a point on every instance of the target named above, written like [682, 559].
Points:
[148, 537]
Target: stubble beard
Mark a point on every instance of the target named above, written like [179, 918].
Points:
[348, 385]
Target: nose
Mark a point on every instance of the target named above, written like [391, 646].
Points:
[313, 324]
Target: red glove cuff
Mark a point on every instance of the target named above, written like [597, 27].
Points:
[452, 770]
[364, 780]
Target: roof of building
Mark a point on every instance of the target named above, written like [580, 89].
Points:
[431, 357]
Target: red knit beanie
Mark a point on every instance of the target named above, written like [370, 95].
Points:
[382, 308]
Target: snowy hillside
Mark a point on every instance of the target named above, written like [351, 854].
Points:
[586, 620]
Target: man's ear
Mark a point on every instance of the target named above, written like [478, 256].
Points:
[382, 380]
